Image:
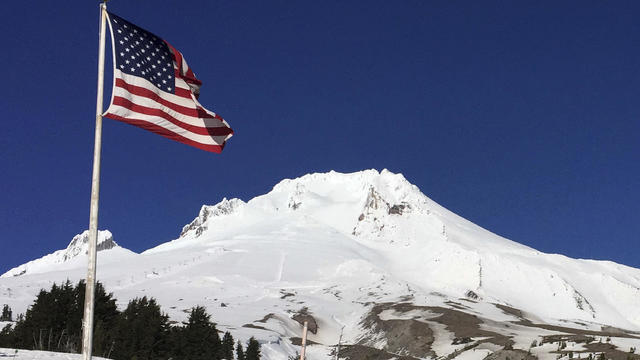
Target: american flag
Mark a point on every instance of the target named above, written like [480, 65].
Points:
[155, 89]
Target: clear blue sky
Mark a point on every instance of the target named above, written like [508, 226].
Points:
[522, 117]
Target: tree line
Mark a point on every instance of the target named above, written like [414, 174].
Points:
[141, 331]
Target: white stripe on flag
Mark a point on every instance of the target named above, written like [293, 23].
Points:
[203, 139]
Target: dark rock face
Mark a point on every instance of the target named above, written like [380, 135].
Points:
[106, 245]
[304, 315]
[199, 224]
[472, 295]
[396, 209]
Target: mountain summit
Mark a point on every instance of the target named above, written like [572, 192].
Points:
[370, 256]
[61, 259]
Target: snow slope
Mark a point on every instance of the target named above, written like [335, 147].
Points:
[73, 256]
[19, 354]
[337, 244]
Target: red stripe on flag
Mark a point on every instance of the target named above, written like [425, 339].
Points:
[212, 131]
[168, 134]
[185, 93]
[144, 92]
[187, 75]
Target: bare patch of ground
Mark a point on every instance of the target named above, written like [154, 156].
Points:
[568, 330]
[456, 305]
[606, 330]
[304, 315]
[611, 352]
[413, 337]
[251, 326]
[408, 337]
[298, 341]
[510, 355]
[361, 352]
[266, 318]
[460, 323]
[511, 311]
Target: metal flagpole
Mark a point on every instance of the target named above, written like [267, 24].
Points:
[87, 328]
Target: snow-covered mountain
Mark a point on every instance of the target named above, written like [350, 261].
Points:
[370, 256]
[73, 256]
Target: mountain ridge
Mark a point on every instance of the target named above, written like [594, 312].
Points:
[338, 244]
[78, 247]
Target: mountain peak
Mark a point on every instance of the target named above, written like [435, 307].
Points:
[80, 244]
[78, 247]
[366, 252]
[225, 207]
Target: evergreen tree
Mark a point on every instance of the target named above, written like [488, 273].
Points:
[176, 342]
[6, 337]
[226, 351]
[6, 313]
[44, 325]
[106, 316]
[240, 352]
[253, 350]
[142, 332]
[54, 321]
[201, 340]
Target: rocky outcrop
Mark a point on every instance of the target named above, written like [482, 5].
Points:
[200, 223]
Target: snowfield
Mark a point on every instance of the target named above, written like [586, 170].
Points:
[334, 246]
[20, 354]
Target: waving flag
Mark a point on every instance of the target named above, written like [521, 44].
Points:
[155, 89]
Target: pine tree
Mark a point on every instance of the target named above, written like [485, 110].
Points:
[54, 321]
[226, 351]
[200, 335]
[6, 313]
[6, 337]
[253, 350]
[240, 352]
[142, 331]
[46, 322]
[106, 315]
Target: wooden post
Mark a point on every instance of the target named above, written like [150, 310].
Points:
[304, 341]
[87, 322]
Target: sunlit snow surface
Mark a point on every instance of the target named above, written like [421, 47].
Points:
[336, 243]
[38, 355]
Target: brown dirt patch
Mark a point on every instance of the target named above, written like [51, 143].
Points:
[511, 311]
[266, 318]
[404, 337]
[361, 352]
[304, 315]
[297, 341]
[510, 355]
[611, 352]
[568, 330]
[251, 326]
[414, 337]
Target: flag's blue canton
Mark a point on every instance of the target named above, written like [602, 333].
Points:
[140, 53]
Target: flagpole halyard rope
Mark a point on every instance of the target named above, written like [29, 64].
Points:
[87, 328]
